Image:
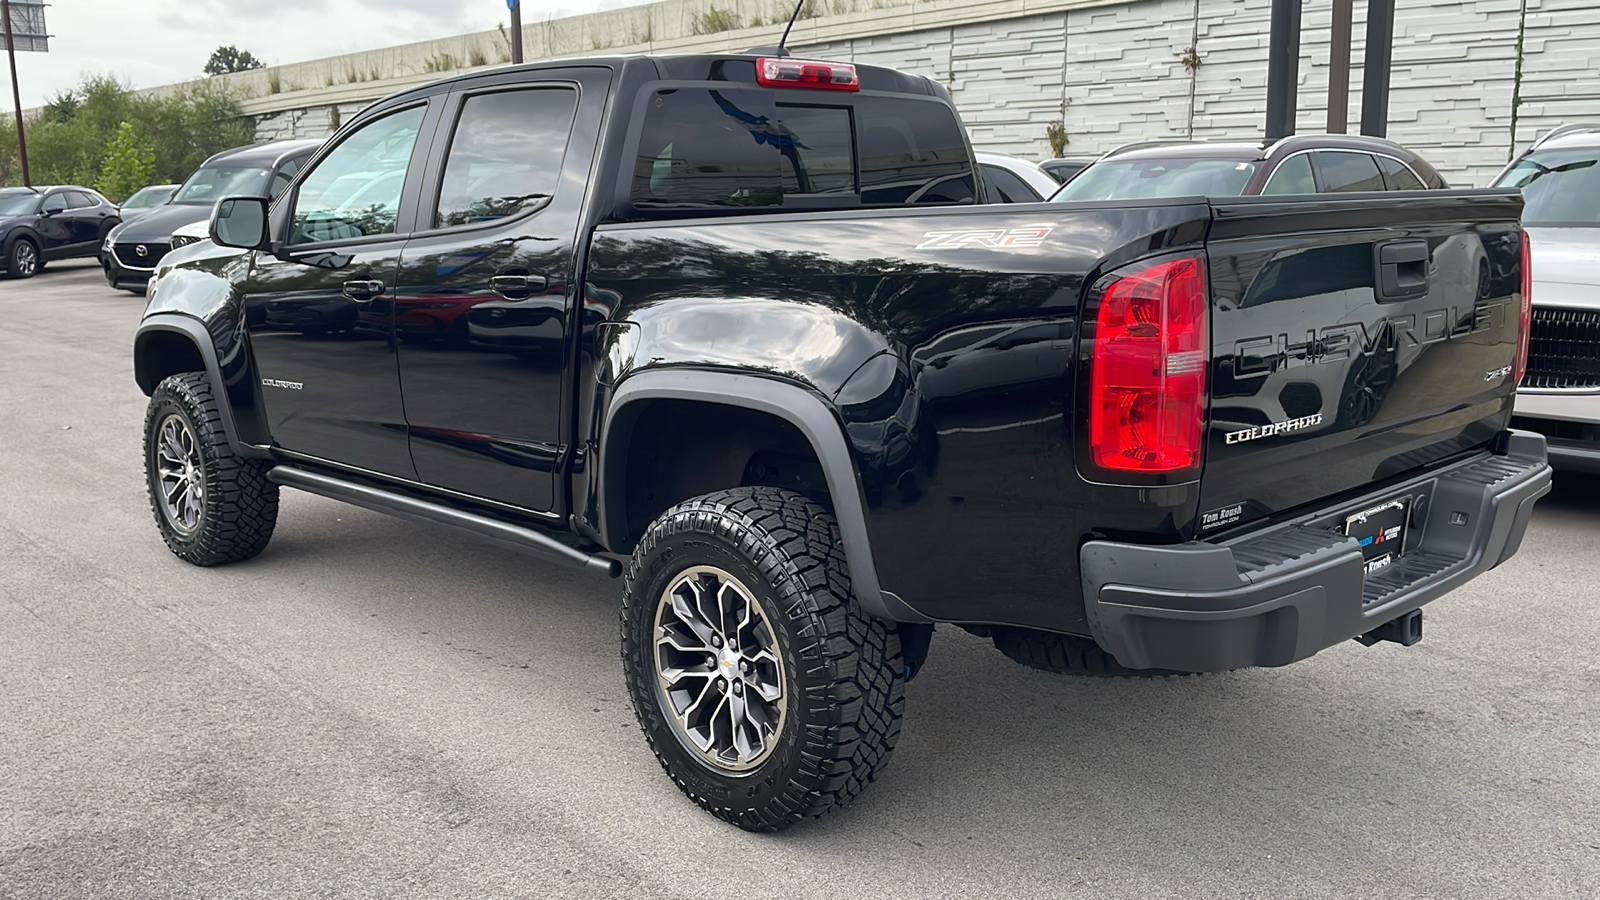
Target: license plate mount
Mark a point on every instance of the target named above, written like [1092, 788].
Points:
[1381, 531]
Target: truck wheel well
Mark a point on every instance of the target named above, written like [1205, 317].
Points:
[161, 354]
[682, 448]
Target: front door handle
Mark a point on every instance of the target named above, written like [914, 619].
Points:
[516, 287]
[362, 290]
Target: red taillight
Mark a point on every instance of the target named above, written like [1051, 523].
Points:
[806, 73]
[1147, 393]
[1527, 309]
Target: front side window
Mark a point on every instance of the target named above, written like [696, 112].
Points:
[1293, 176]
[1559, 187]
[354, 191]
[505, 156]
[1344, 172]
[1134, 179]
[284, 176]
[1005, 187]
[54, 203]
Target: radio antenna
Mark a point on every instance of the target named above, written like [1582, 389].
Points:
[785, 39]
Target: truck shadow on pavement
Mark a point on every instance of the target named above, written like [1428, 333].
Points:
[1323, 762]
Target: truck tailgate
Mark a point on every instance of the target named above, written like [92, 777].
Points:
[1354, 339]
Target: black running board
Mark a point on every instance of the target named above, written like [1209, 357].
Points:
[514, 537]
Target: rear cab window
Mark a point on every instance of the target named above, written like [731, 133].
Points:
[735, 147]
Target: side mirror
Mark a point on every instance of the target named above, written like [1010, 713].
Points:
[241, 223]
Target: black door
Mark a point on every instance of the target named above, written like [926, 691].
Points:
[54, 225]
[321, 320]
[487, 293]
[86, 215]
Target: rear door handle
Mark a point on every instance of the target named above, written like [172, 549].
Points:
[1402, 269]
[362, 290]
[515, 287]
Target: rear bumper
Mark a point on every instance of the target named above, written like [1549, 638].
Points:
[1279, 595]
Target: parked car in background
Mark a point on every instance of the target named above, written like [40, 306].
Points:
[41, 224]
[146, 199]
[1560, 396]
[1012, 179]
[1066, 168]
[130, 253]
[1299, 164]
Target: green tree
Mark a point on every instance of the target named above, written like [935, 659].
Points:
[231, 59]
[181, 127]
[127, 166]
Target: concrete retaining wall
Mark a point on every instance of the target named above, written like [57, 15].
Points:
[1112, 72]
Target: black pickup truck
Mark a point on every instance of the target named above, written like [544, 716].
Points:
[745, 323]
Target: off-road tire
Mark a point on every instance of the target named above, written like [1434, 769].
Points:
[1064, 654]
[23, 259]
[240, 506]
[845, 675]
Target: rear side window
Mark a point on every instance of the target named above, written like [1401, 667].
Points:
[1348, 172]
[80, 200]
[1397, 176]
[1293, 176]
[1006, 187]
[505, 156]
[736, 147]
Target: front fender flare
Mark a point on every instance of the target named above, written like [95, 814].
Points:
[804, 409]
[197, 334]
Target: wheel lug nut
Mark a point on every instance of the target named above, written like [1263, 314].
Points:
[738, 688]
[716, 640]
[744, 666]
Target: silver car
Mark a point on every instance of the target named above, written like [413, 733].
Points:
[1560, 395]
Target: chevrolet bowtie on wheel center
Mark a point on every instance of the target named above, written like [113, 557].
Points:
[743, 329]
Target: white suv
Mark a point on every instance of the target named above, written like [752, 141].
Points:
[1560, 396]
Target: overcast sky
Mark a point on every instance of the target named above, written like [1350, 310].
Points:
[151, 42]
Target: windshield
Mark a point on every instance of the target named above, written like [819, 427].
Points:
[1559, 187]
[1130, 179]
[150, 196]
[18, 204]
[213, 183]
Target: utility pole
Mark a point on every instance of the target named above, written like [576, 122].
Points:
[16, 93]
[1283, 67]
[1339, 67]
[516, 29]
[1375, 77]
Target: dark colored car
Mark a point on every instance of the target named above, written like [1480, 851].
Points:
[146, 199]
[1299, 164]
[1064, 169]
[738, 322]
[131, 251]
[41, 224]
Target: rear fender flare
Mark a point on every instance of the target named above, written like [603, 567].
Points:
[805, 410]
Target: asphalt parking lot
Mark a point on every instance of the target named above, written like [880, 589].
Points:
[375, 709]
